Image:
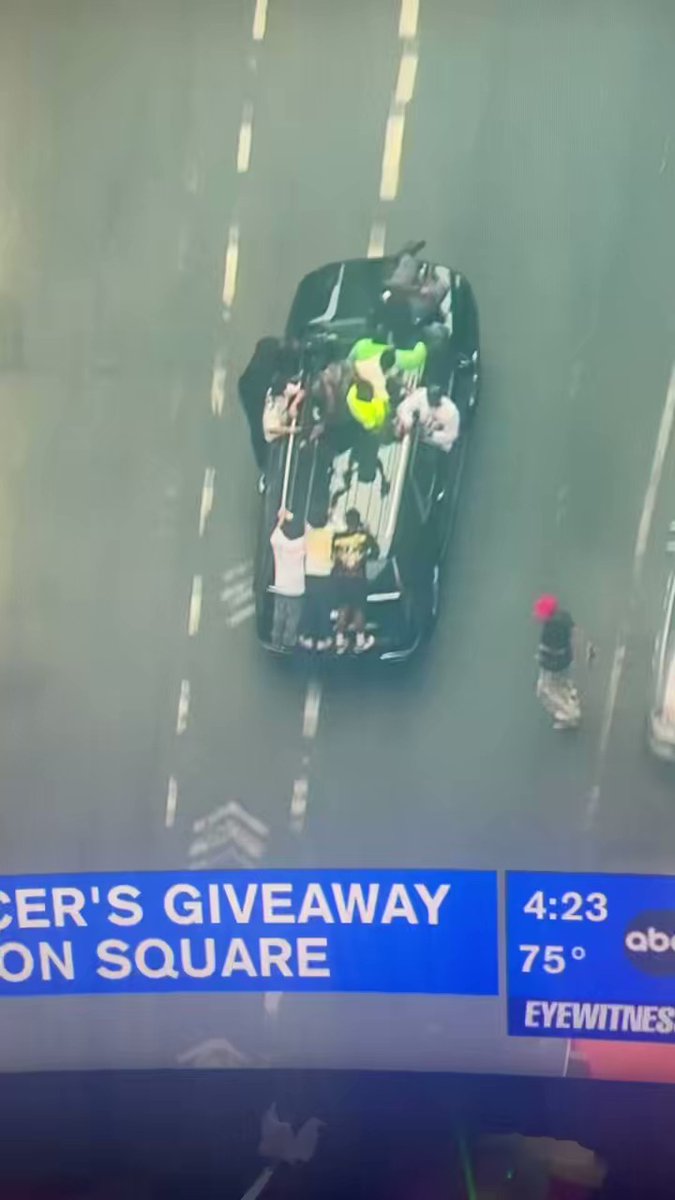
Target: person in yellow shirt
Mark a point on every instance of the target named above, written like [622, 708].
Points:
[316, 626]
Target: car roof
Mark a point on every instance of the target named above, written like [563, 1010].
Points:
[343, 294]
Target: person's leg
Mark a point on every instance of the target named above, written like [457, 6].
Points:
[278, 618]
[362, 641]
[307, 630]
[293, 611]
[324, 604]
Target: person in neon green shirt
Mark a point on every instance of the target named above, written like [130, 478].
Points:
[367, 349]
[371, 411]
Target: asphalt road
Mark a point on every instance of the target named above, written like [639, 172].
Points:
[537, 158]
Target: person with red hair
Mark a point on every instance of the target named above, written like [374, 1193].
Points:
[556, 690]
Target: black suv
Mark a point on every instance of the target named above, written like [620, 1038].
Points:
[407, 502]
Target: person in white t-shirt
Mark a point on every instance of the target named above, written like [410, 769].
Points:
[438, 417]
[281, 411]
[289, 549]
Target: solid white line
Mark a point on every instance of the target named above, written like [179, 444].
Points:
[259, 20]
[376, 241]
[245, 139]
[218, 389]
[410, 11]
[195, 613]
[231, 264]
[171, 803]
[391, 157]
[662, 442]
[206, 505]
[183, 706]
[644, 527]
[310, 720]
[299, 803]
[607, 721]
[407, 72]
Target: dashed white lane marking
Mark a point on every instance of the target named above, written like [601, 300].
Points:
[391, 158]
[231, 265]
[377, 239]
[644, 527]
[259, 20]
[195, 612]
[171, 803]
[662, 443]
[407, 25]
[272, 1003]
[218, 382]
[206, 505]
[299, 803]
[310, 719]
[407, 73]
[245, 139]
[183, 706]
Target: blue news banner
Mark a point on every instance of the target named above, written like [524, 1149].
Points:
[225, 931]
[591, 956]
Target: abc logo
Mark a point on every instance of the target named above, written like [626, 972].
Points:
[650, 942]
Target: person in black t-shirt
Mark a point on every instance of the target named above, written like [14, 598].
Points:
[556, 690]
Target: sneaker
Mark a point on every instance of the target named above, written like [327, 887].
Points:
[364, 641]
[324, 644]
[262, 484]
[307, 643]
[340, 643]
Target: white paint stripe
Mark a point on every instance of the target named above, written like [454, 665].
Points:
[259, 20]
[243, 615]
[218, 389]
[195, 613]
[607, 721]
[410, 11]
[206, 505]
[183, 706]
[237, 592]
[407, 73]
[376, 241]
[243, 568]
[257, 1188]
[662, 442]
[391, 158]
[310, 720]
[299, 803]
[245, 140]
[231, 264]
[644, 527]
[272, 1004]
[171, 803]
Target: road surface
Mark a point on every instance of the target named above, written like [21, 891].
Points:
[168, 174]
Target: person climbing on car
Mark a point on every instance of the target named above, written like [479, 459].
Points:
[316, 630]
[270, 367]
[437, 415]
[281, 410]
[412, 296]
[556, 690]
[351, 551]
[289, 548]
